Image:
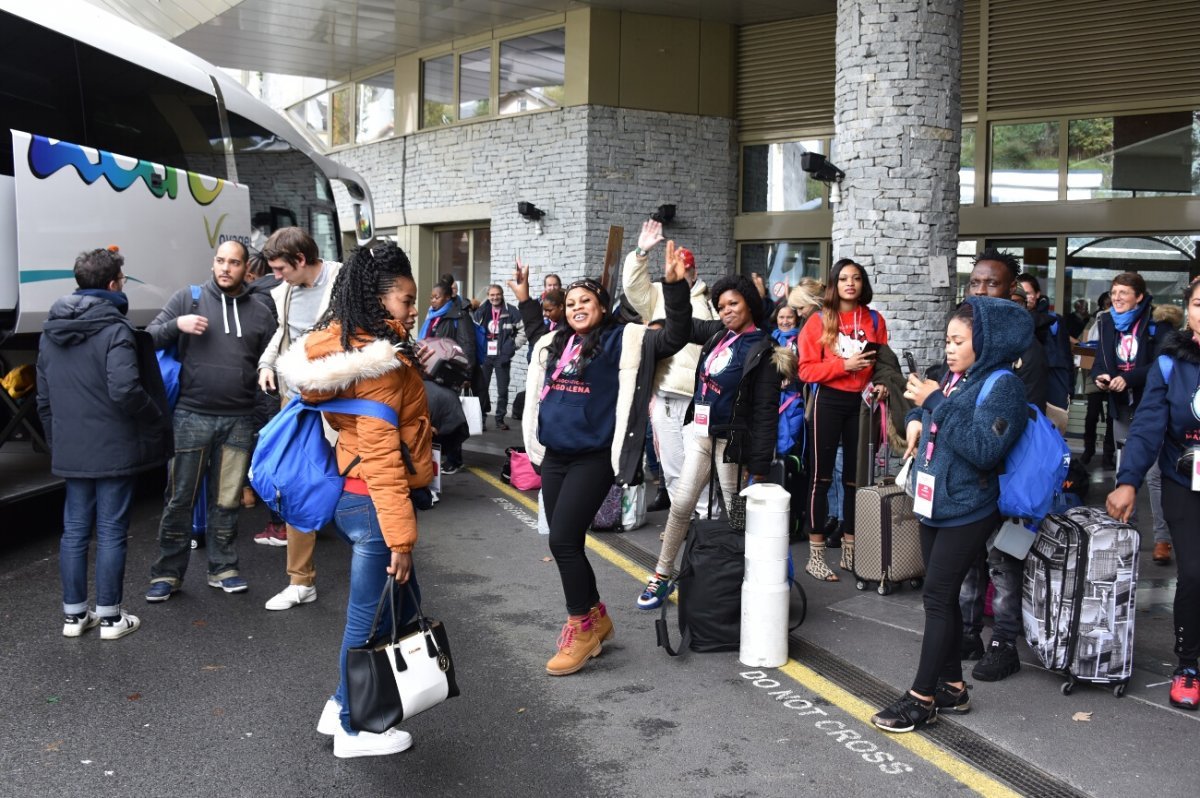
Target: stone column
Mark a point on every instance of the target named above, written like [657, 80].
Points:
[898, 124]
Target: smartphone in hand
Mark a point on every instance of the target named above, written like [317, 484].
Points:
[911, 362]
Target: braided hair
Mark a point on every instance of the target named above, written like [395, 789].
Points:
[355, 299]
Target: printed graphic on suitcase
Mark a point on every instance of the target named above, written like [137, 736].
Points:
[1078, 597]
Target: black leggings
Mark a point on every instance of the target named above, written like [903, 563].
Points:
[834, 421]
[949, 553]
[1181, 508]
[573, 488]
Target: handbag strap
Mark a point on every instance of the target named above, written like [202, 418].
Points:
[388, 598]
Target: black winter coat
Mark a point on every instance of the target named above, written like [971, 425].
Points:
[506, 336]
[100, 393]
[457, 324]
[1150, 339]
[755, 423]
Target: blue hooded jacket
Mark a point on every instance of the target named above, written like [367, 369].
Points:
[972, 441]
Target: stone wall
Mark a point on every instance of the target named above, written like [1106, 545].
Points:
[898, 121]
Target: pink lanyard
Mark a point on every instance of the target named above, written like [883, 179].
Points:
[933, 428]
[570, 352]
[1125, 348]
[725, 343]
[495, 331]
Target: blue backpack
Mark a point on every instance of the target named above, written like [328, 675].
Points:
[1034, 468]
[791, 421]
[294, 468]
[168, 360]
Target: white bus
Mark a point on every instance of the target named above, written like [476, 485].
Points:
[110, 135]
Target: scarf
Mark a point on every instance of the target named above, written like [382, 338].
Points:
[785, 337]
[1123, 321]
[434, 314]
[118, 298]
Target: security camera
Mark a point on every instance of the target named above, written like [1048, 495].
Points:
[820, 168]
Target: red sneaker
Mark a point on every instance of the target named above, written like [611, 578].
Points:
[1185, 689]
[272, 535]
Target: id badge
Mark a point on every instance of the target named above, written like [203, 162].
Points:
[700, 419]
[1196, 468]
[493, 348]
[923, 500]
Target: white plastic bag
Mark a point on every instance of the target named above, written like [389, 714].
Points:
[474, 413]
[633, 507]
[542, 524]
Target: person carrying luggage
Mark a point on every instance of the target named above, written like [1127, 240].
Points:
[732, 419]
[586, 403]
[959, 445]
[1166, 431]
[837, 353]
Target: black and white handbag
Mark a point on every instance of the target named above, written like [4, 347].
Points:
[409, 672]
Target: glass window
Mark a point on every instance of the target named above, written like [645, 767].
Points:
[376, 109]
[964, 263]
[39, 86]
[1039, 257]
[481, 262]
[1145, 155]
[783, 264]
[475, 83]
[966, 167]
[313, 116]
[531, 72]
[437, 91]
[139, 113]
[341, 104]
[772, 179]
[1024, 162]
[1166, 261]
[454, 257]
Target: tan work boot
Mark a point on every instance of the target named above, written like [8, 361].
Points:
[601, 622]
[577, 643]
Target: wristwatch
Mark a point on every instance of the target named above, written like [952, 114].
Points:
[641, 253]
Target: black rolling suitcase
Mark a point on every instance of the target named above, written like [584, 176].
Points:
[1078, 597]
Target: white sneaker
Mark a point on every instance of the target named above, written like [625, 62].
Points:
[291, 596]
[348, 746]
[115, 628]
[331, 718]
[74, 627]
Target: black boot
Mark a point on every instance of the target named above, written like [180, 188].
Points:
[662, 501]
[833, 533]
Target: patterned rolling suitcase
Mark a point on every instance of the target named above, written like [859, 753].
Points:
[1077, 600]
[887, 535]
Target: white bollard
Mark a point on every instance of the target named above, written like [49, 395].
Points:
[765, 588]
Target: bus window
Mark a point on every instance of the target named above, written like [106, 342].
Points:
[136, 112]
[39, 85]
[281, 177]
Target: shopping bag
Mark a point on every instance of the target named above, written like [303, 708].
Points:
[473, 410]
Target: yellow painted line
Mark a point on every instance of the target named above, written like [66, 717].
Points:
[852, 705]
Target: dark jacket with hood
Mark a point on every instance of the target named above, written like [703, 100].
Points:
[755, 420]
[219, 374]
[100, 395]
[1150, 337]
[1050, 331]
[457, 324]
[972, 441]
[1167, 423]
[506, 336]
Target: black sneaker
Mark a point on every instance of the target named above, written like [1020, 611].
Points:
[1000, 661]
[662, 501]
[905, 714]
[947, 699]
[972, 646]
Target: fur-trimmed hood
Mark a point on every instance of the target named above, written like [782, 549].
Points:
[317, 363]
[1168, 314]
[1181, 344]
[786, 362]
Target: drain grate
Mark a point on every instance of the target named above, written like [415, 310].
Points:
[967, 745]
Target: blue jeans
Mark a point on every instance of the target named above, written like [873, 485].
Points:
[1006, 572]
[105, 503]
[837, 493]
[220, 447]
[358, 525]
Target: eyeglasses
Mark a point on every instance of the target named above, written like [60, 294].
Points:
[121, 280]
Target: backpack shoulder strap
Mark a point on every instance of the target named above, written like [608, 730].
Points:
[195, 297]
[360, 407]
[988, 383]
[1166, 364]
[874, 319]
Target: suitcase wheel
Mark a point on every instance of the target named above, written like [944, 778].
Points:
[916, 584]
[862, 584]
[1119, 690]
[1068, 687]
[885, 589]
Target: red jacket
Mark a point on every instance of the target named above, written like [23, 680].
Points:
[820, 365]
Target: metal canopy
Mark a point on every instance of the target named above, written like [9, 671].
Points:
[331, 38]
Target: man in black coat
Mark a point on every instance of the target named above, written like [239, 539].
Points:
[101, 400]
[500, 323]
